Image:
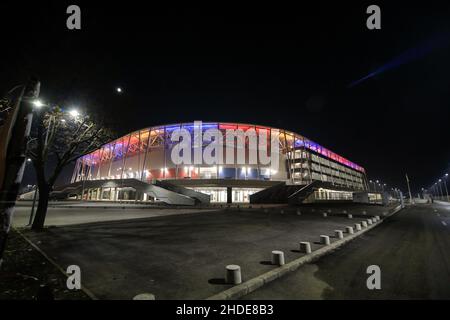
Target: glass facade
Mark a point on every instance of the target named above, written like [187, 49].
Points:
[145, 155]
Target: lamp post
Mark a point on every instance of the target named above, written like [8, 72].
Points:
[440, 189]
[436, 187]
[409, 189]
[445, 185]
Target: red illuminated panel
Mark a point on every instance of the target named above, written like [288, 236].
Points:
[227, 126]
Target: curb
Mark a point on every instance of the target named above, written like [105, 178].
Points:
[261, 280]
[84, 289]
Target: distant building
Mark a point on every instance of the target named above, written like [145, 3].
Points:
[141, 165]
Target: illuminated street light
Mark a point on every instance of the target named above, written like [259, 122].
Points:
[38, 103]
[119, 89]
[446, 188]
[74, 113]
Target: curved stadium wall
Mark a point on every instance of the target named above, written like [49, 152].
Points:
[146, 155]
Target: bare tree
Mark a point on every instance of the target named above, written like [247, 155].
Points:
[61, 136]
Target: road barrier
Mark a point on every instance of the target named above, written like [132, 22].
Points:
[358, 227]
[233, 274]
[325, 240]
[144, 296]
[350, 216]
[339, 234]
[369, 221]
[349, 230]
[305, 247]
[364, 224]
[278, 258]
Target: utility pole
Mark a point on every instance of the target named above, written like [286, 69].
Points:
[409, 189]
[440, 188]
[445, 185]
[14, 135]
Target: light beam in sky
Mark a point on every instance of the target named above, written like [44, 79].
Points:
[410, 55]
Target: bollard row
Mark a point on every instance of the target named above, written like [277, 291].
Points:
[233, 272]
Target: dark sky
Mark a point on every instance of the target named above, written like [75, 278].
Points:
[280, 66]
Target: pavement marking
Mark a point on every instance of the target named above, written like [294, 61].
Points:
[444, 223]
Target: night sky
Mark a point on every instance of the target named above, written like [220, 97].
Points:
[287, 67]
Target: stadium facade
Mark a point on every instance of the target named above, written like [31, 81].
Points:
[123, 169]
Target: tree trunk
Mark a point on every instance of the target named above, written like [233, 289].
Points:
[41, 212]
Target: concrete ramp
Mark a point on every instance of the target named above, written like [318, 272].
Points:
[199, 197]
[158, 192]
[279, 193]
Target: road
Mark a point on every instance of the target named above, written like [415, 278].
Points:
[412, 248]
[184, 256]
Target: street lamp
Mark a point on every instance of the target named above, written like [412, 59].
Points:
[445, 185]
[38, 103]
[440, 188]
[74, 113]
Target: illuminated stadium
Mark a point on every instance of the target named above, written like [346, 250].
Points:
[141, 167]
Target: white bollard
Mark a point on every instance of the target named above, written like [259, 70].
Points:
[358, 227]
[305, 247]
[329, 210]
[324, 214]
[344, 212]
[364, 212]
[364, 224]
[350, 216]
[369, 221]
[233, 274]
[144, 296]
[378, 218]
[339, 234]
[374, 220]
[325, 240]
[277, 258]
[349, 230]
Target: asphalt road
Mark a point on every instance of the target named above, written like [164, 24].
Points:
[412, 249]
[184, 256]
